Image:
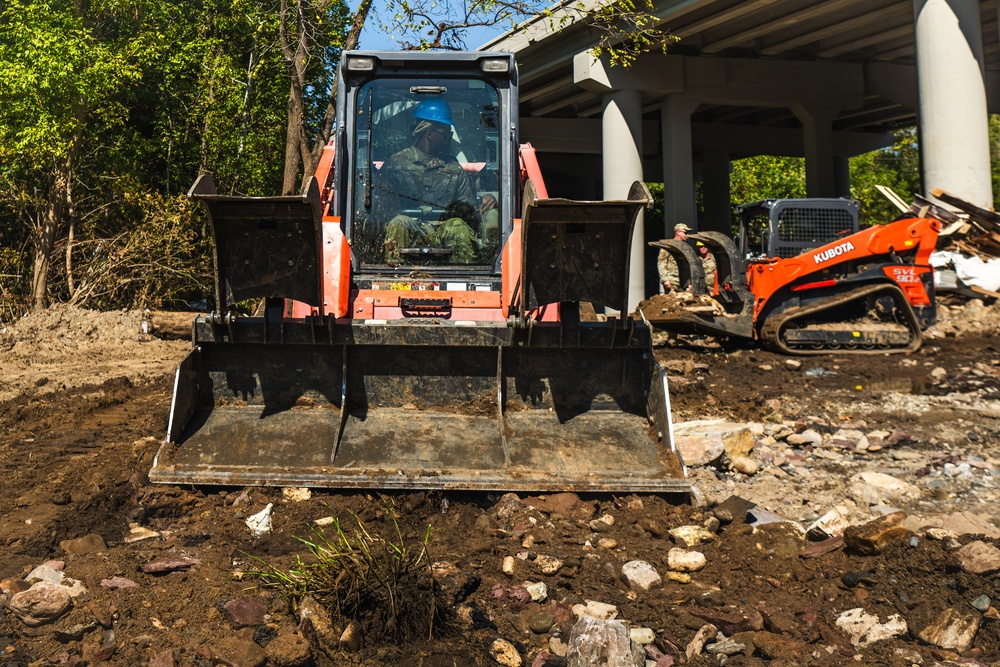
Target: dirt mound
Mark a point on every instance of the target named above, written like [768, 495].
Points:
[63, 329]
[64, 346]
[672, 304]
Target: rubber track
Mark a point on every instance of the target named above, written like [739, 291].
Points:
[770, 333]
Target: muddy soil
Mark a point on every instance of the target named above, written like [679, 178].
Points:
[83, 404]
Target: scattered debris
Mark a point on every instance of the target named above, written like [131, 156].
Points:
[170, 565]
[43, 603]
[774, 535]
[260, 523]
[864, 628]
[952, 629]
[117, 583]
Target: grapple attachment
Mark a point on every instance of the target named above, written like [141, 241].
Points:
[734, 316]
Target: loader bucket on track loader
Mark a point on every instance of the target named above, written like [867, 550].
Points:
[429, 403]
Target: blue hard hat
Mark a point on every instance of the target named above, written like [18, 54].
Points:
[435, 110]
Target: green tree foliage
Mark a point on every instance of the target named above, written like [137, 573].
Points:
[108, 112]
[896, 167]
[995, 156]
[655, 212]
[311, 34]
[58, 80]
[767, 177]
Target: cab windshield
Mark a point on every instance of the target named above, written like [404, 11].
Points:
[426, 173]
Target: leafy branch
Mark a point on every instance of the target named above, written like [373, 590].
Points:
[625, 29]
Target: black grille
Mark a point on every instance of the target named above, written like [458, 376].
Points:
[802, 228]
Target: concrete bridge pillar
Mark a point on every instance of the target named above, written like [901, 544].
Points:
[817, 138]
[717, 214]
[954, 128]
[621, 132]
[678, 164]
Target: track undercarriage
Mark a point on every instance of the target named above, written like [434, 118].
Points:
[872, 319]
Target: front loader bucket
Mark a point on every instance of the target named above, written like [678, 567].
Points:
[421, 406]
[264, 246]
[578, 251]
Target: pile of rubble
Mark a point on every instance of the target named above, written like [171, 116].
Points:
[790, 464]
[661, 307]
[968, 259]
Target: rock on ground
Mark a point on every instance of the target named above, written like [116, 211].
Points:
[594, 609]
[870, 538]
[703, 441]
[597, 643]
[865, 629]
[42, 603]
[238, 652]
[952, 629]
[682, 560]
[976, 558]
[505, 654]
[641, 576]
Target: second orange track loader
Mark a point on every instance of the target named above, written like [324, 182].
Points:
[870, 292]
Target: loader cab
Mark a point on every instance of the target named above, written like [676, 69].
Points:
[427, 183]
[782, 228]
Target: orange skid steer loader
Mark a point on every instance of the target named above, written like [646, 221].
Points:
[867, 292]
[421, 322]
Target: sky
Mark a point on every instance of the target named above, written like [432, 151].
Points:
[372, 37]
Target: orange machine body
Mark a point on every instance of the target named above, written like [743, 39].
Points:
[826, 265]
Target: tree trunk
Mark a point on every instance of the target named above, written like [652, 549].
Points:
[169, 325]
[45, 238]
[55, 210]
[323, 136]
[207, 125]
[295, 59]
[292, 153]
[70, 283]
[248, 97]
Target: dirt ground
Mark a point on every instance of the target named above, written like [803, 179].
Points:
[83, 404]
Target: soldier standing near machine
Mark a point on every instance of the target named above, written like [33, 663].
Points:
[667, 265]
[708, 264]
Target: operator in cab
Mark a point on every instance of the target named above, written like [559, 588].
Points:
[426, 177]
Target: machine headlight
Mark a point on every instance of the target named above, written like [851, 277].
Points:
[361, 64]
[495, 64]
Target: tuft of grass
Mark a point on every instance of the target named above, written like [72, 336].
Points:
[383, 582]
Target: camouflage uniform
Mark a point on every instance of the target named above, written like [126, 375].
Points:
[708, 264]
[667, 267]
[420, 180]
